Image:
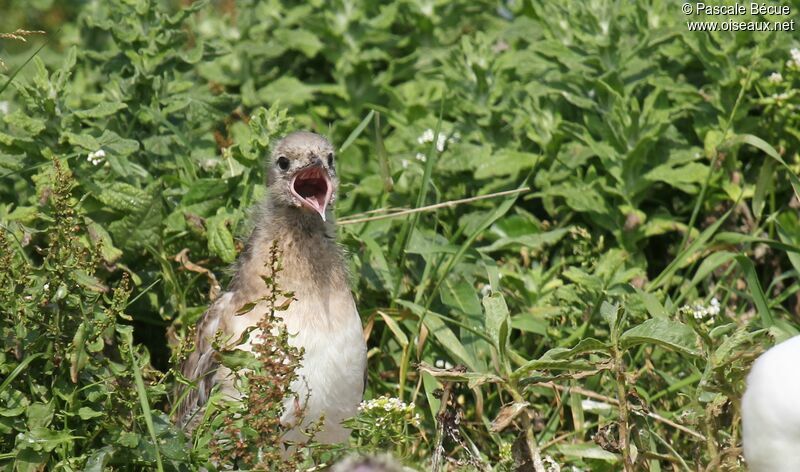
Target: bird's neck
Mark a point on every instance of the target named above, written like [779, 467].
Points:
[306, 245]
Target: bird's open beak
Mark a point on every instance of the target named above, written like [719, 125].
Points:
[313, 188]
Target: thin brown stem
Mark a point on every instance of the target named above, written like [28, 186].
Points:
[448, 204]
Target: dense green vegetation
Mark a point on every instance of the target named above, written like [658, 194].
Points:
[602, 317]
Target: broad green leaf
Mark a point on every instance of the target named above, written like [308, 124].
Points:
[220, 239]
[497, 320]
[672, 335]
[102, 110]
[287, 90]
[43, 439]
[610, 314]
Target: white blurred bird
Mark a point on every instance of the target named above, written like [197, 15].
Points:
[771, 410]
[323, 319]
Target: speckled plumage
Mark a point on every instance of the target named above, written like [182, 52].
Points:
[323, 319]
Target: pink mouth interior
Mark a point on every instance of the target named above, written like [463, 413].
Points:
[313, 187]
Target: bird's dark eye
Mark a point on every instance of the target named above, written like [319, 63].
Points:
[283, 163]
[330, 159]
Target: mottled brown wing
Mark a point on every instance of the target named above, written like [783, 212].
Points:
[200, 367]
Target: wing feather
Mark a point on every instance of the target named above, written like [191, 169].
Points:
[201, 365]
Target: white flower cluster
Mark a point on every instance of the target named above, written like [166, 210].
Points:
[775, 78]
[387, 404]
[700, 312]
[96, 157]
[441, 141]
[794, 62]
[391, 405]
[427, 137]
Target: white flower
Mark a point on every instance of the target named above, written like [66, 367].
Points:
[442, 364]
[699, 311]
[404, 163]
[713, 310]
[794, 62]
[441, 140]
[426, 136]
[46, 286]
[421, 157]
[96, 157]
[775, 78]
[4, 107]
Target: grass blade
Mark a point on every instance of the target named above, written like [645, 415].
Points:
[22, 365]
[357, 132]
[145, 404]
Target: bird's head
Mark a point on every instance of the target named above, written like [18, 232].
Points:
[301, 173]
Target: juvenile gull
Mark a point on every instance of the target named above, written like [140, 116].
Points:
[323, 320]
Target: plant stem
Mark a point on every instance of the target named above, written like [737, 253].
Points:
[624, 427]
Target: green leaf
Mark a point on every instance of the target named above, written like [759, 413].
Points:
[399, 335]
[506, 162]
[87, 413]
[141, 226]
[531, 241]
[98, 461]
[652, 305]
[610, 314]
[102, 110]
[100, 237]
[44, 439]
[497, 321]
[300, 39]
[118, 145]
[672, 335]
[681, 259]
[29, 126]
[287, 90]
[442, 334]
[122, 196]
[764, 185]
[202, 190]
[771, 152]
[89, 282]
[220, 239]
